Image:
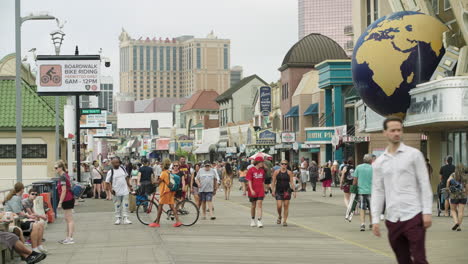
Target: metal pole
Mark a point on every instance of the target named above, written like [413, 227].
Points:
[78, 157]
[57, 120]
[19, 123]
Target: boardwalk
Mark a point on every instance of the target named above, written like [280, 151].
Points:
[316, 233]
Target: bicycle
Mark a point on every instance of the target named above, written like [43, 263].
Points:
[147, 211]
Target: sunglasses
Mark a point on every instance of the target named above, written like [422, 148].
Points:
[33, 194]
[175, 165]
[56, 168]
[284, 164]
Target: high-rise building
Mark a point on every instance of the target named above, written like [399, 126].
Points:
[236, 75]
[176, 67]
[328, 18]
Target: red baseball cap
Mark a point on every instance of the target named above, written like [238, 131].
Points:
[259, 159]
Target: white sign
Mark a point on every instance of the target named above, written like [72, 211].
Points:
[231, 150]
[288, 137]
[94, 121]
[68, 76]
[69, 124]
[104, 132]
[309, 146]
[213, 117]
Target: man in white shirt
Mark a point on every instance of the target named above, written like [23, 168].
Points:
[117, 181]
[401, 182]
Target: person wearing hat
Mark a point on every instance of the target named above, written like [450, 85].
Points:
[256, 179]
[207, 185]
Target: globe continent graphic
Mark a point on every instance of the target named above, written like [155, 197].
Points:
[394, 54]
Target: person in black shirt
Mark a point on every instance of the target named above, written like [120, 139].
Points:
[445, 172]
[145, 178]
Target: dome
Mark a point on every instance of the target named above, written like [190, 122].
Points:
[311, 50]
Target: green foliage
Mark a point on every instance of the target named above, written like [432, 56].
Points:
[189, 155]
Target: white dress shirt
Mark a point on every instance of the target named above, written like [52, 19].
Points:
[401, 181]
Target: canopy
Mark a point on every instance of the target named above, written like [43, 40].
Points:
[312, 109]
[293, 112]
[260, 154]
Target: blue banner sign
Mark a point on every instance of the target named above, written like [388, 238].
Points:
[321, 136]
[266, 137]
[265, 100]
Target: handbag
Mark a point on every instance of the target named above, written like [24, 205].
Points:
[321, 176]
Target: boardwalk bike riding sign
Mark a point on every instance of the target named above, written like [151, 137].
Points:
[68, 74]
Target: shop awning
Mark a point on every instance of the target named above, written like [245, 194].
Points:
[293, 112]
[204, 148]
[162, 144]
[197, 126]
[312, 109]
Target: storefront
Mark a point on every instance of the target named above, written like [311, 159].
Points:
[162, 147]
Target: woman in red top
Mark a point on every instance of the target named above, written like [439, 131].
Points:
[256, 179]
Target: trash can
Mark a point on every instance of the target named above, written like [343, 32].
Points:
[44, 186]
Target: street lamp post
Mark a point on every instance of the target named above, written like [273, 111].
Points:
[19, 116]
[57, 39]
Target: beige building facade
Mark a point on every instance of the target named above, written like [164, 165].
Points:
[177, 67]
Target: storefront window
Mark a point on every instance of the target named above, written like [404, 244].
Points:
[457, 147]
[464, 148]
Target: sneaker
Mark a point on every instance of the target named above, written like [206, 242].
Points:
[252, 223]
[213, 218]
[177, 224]
[67, 241]
[117, 222]
[363, 227]
[42, 249]
[35, 258]
[154, 225]
[259, 224]
[126, 221]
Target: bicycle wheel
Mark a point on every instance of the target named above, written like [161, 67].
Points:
[146, 214]
[188, 212]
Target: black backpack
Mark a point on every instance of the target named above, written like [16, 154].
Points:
[112, 174]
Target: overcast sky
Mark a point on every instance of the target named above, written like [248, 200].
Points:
[261, 31]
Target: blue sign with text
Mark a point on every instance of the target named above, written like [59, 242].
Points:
[320, 135]
[265, 100]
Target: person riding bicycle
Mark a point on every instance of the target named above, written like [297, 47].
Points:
[50, 72]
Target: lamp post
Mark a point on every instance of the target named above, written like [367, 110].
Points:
[19, 122]
[57, 39]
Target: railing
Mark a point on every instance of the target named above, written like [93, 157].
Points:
[348, 30]
[324, 118]
[351, 131]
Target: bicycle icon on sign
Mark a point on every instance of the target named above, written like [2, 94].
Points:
[51, 75]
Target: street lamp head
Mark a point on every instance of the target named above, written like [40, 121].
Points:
[57, 39]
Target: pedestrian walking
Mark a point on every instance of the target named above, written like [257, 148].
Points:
[166, 194]
[134, 176]
[401, 181]
[282, 189]
[184, 168]
[96, 176]
[145, 179]
[206, 180]
[313, 174]
[228, 175]
[66, 200]
[347, 179]
[335, 173]
[256, 179]
[195, 188]
[118, 183]
[326, 180]
[363, 180]
[457, 184]
[444, 173]
[304, 170]
[242, 179]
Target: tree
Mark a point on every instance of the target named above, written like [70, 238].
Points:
[189, 155]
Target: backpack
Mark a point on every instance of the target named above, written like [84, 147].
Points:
[455, 186]
[349, 174]
[112, 174]
[174, 182]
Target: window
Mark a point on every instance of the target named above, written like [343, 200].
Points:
[141, 58]
[435, 6]
[174, 59]
[447, 5]
[180, 59]
[190, 59]
[148, 58]
[161, 58]
[168, 58]
[155, 53]
[134, 58]
[198, 58]
[368, 10]
[226, 62]
[30, 151]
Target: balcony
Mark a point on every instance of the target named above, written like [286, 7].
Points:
[349, 45]
[348, 30]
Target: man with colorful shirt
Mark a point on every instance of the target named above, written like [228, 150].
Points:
[256, 179]
[185, 169]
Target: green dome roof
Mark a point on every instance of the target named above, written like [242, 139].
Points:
[311, 50]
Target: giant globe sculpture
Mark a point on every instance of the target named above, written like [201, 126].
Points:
[394, 54]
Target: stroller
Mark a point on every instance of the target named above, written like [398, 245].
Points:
[442, 194]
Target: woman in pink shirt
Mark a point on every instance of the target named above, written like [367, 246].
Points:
[256, 179]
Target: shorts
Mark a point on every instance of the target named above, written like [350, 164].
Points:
[27, 227]
[97, 181]
[458, 201]
[68, 204]
[195, 191]
[146, 188]
[268, 180]
[8, 239]
[242, 179]
[304, 177]
[364, 201]
[206, 196]
[326, 183]
[284, 196]
[254, 199]
[345, 188]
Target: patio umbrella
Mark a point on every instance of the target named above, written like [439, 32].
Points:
[259, 154]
